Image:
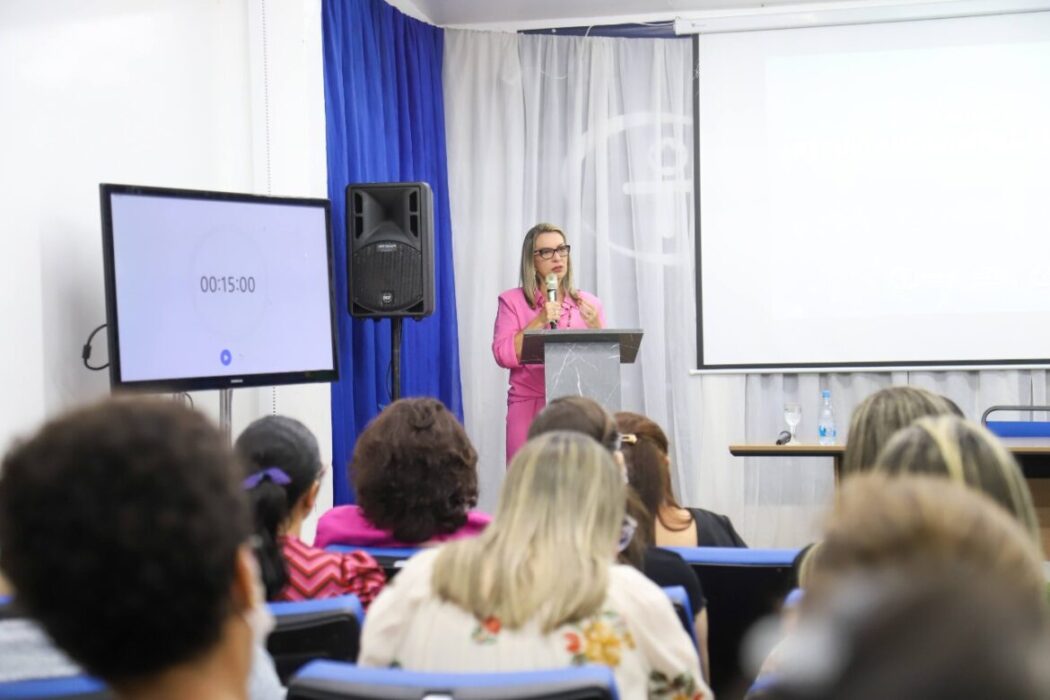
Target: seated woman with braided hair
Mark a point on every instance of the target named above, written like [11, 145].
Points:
[284, 476]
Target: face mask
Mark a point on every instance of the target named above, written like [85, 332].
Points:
[627, 532]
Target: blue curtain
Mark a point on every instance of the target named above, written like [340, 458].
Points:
[386, 123]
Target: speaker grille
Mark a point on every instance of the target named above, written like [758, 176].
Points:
[388, 276]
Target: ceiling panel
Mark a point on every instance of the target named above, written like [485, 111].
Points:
[521, 14]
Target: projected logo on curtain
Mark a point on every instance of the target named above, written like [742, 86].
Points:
[660, 190]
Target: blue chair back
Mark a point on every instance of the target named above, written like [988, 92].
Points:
[684, 610]
[328, 628]
[741, 587]
[1017, 428]
[68, 686]
[324, 680]
[390, 558]
[73, 687]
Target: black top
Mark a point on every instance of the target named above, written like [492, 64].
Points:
[666, 568]
[714, 530]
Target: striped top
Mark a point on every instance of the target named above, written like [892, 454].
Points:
[315, 573]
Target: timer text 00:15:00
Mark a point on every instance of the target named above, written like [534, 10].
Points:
[229, 284]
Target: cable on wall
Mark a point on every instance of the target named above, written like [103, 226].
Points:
[85, 352]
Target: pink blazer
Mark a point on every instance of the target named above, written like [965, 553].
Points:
[527, 382]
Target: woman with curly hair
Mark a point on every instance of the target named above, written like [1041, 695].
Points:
[540, 588]
[125, 536]
[415, 474]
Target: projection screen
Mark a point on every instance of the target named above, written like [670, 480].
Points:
[875, 195]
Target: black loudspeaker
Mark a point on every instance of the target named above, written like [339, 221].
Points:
[390, 246]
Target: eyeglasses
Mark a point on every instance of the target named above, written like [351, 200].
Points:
[548, 253]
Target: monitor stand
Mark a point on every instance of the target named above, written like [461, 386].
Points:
[226, 413]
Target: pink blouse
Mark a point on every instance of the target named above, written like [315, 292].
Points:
[314, 573]
[347, 525]
[528, 382]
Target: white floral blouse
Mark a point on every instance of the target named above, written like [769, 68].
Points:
[636, 633]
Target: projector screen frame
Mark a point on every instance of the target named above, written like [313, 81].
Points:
[846, 368]
[812, 367]
[215, 382]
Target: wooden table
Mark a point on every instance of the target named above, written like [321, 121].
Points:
[1033, 454]
[833, 451]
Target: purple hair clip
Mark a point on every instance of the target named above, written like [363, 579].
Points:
[274, 474]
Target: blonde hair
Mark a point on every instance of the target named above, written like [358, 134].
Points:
[882, 414]
[967, 454]
[546, 555]
[529, 284]
[882, 523]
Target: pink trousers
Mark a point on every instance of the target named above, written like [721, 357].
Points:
[520, 413]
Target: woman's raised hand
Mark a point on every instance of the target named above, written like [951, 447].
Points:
[589, 314]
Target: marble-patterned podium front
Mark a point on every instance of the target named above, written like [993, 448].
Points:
[589, 369]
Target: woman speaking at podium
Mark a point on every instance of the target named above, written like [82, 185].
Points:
[545, 299]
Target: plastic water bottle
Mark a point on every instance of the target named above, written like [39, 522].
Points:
[826, 420]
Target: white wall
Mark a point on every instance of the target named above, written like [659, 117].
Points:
[179, 93]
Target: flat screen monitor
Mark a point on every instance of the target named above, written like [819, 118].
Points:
[216, 290]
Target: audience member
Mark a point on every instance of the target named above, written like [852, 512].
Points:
[967, 454]
[123, 530]
[414, 471]
[578, 414]
[646, 451]
[923, 522]
[540, 587]
[919, 635]
[584, 415]
[873, 423]
[912, 526]
[882, 414]
[284, 478]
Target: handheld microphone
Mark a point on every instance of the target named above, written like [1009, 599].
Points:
[552, 292]
[784, 437]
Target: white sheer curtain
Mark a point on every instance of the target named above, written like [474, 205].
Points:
[592, 134]
[595, 134]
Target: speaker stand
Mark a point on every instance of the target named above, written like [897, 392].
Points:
[395, 358]
[226, 413]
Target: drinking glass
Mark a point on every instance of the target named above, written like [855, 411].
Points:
[792, 416]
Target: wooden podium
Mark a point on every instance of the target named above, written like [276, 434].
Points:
[582, 362]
